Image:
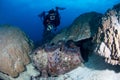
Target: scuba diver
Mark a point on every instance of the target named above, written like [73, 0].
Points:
[51, 19]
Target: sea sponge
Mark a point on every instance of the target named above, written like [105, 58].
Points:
[14, 49]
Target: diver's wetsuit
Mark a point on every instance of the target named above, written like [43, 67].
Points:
[52, 19]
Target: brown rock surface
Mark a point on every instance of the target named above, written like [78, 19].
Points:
[57, 59]
[108, 36]
[14, 49]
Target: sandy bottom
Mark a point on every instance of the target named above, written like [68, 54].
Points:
[94, 69]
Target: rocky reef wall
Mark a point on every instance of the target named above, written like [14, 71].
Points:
[108, 37]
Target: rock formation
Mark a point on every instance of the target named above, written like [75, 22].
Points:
[14, 49]
[106, 43]
[108, 36]
[57, 59]
[83, 27]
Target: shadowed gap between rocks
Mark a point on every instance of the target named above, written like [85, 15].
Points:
[85, 47]
[93, 60]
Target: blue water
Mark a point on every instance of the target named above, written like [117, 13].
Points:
[24, 13]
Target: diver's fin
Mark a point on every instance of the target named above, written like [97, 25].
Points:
[60, 8]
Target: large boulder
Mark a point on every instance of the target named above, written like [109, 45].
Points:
[108, 36]
[54, 60]
[14, 50]
[83, 27]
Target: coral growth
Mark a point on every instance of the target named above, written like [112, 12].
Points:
[57, 59]
[83, 27]
[108, 36]
[14, 49]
